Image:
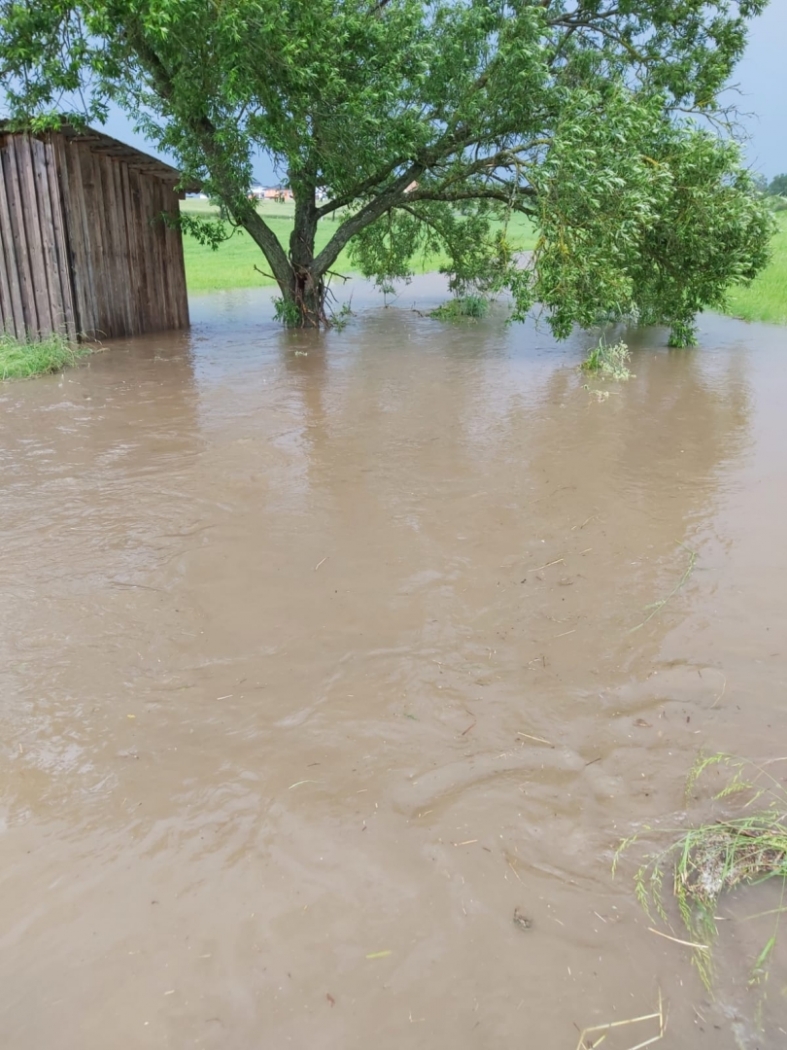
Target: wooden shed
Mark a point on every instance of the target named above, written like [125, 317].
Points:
[83, 248]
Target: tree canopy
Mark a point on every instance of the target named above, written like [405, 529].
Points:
[429, 123]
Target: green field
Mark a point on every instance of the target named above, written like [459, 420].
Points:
[232, 265]
[766, 299]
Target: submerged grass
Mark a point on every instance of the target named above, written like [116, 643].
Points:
[609, 362]
[21, 360]
[656, 607]
[705, 862]
[462, 308]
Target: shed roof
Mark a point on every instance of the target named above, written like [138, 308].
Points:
[101, 143]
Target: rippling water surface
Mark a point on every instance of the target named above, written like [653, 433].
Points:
[317, 662]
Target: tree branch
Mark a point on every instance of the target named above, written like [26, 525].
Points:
[361, 188]
[244, 211]
[480, 193]
[368, 214]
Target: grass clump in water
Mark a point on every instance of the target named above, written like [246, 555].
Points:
[462, 308]
[611, 362]
[21, 360]
[705, 862]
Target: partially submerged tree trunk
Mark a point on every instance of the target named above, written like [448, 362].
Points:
[300, 279]
[303, 298]
[301, 272]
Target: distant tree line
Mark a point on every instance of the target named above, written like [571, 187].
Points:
[777, 187]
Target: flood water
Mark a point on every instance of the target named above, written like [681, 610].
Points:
[317, 661]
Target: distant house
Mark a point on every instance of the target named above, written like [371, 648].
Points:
[83, 247]
[277, 193]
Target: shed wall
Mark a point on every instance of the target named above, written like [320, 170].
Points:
[83, 248]
[36, 296]
[128, 270]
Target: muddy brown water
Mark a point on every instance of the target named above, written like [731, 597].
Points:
[282, 616]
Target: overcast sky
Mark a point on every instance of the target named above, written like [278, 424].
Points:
[761, 76]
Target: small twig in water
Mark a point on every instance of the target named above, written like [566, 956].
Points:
[538, 739]
[721, 694]
[605, 1028]
[677, 940]
[584, 523]
[558, 561]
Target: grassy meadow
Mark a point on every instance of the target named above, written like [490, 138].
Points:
[232, 265]
[766, 298]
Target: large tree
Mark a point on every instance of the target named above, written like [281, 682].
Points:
[429, 123]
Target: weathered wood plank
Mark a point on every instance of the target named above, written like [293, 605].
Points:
[173, 298]
[177, 265]
[140, 275]
[135, 222]
[124, 257]
[77, 233]
[128, 236]
[153, 321]
[96, 240]
[13, 314]
[100, 213]
[158, 230]
[63, 253]
[7, 319]
[38, 152]
[137, 251]
[30, 321]
[26, 159]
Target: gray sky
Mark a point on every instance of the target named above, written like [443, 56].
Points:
[761, 76]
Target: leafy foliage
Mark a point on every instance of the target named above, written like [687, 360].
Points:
[428, 123]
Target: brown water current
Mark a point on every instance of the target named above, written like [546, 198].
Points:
[317, 662]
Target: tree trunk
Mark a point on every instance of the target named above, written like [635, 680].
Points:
[304, 294]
